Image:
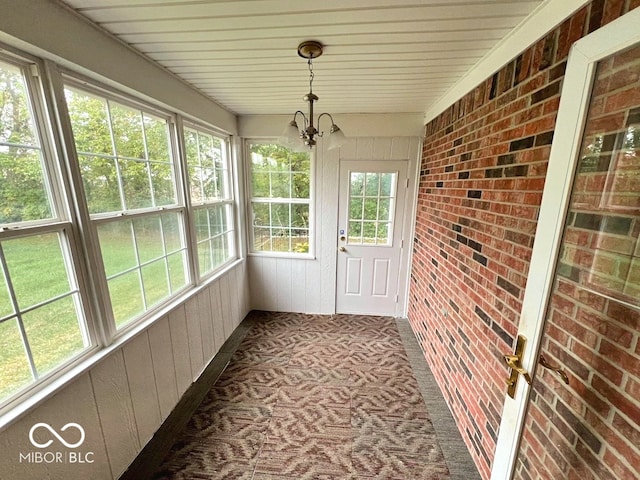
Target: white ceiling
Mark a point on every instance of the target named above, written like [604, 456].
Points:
[380, 56]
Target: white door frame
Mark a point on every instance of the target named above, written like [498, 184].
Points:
[584, 55]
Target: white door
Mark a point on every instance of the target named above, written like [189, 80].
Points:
[371, 203]
[581, 311]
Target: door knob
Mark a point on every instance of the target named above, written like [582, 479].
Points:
[342, 249]
[545, 363]
[514, 362]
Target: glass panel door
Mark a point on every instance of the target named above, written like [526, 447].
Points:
[583, 417]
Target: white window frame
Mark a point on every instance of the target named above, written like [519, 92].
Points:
[291, 201]
[75, 81]
[62, 223]
[229, 202]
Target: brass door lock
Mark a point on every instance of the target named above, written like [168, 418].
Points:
[514, 362]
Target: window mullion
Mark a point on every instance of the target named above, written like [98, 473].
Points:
[187, 225]
[84, 241]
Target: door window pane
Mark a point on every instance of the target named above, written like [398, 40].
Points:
[371, 205]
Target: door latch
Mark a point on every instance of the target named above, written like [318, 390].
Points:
[514, 362]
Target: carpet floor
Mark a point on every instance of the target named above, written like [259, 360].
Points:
[312, 397]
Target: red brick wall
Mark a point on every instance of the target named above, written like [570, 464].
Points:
[483, 169]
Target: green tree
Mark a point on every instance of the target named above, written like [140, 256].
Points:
[23, 195]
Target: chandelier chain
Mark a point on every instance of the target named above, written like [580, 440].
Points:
[311, 75]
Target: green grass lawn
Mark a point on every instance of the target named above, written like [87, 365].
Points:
[38, 274]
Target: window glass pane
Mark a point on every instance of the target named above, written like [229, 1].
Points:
[202, 224]
[371, 200]
[281, 179]
[355, 208]
[281, 185]
[172, 232]
[300, 185]
[370, 209]
[204, 256]
[127, 131]
[118, 249]
[205, 152]
[24, 195]
[213, 245]
[6, 306]
[53, 333]
[109, 175]
[261, 239]
[355, 232]
[191, 145]
[156, 236]
[218, 220]
[15, 372]
[157, 138]
[135, 183]
[383, 234]
[372, 182]
[163, 185]
[369, 232]
[100, 180]
[90, 122]
[177, 270]
[148, 238]
[196, 188]
[126, 297]
[357, 184]
[156, 281]
[208, 171]
[261, 184]
[387, 184]
[280, 215]
[209, 184]
[384, 209]
[36, 268]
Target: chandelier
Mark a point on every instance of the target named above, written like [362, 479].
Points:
[298, 138]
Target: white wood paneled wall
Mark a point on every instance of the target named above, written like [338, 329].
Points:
[309, 285]
[123, 400]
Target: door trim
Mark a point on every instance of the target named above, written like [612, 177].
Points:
[574, 100]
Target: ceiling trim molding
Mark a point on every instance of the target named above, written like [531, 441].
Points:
[541, 21]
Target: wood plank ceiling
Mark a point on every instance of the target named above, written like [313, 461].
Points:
[381, 56]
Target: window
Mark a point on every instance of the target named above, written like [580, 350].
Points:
[42, 325]
[371, 206]
[211, 198]
[129, 178]
[280, 199]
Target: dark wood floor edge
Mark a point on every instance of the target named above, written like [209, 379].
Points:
[456, 454]
[151, 456]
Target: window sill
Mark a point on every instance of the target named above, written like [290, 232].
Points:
[289, 255]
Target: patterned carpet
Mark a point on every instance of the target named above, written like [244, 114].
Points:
[312, 397]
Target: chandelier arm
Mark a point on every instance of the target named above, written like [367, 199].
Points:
[304, 117]
[320, 133]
